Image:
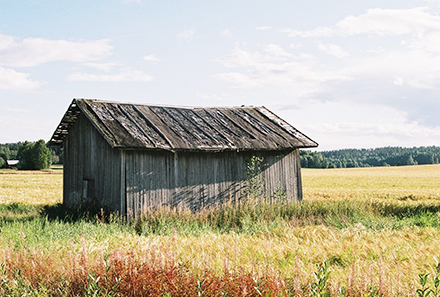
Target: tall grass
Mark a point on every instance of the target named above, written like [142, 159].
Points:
[370, 247]
[357, 233]
[255, 218]
[360, 262]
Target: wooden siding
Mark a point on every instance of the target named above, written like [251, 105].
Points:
[197, 180]
[91, 167]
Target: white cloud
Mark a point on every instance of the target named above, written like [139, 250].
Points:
[333, 49]
[187, 34]
[264, 28]
[276, 67]
[130, 1]
[294, 45]
[32, 52]
[348, 124]
[367, 135]
[378, 22]
[398, 81]
[318, 32]
[393, 59]
[419, 69]
[238, 79]
[106, 67]
[151, 58]
[226, 33]
[124, 75]
[276, 50]
[389, 22]
[13, 80]
[211, 98]
[420, 27]
[17, 110]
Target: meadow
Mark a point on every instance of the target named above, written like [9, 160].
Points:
[358, 232]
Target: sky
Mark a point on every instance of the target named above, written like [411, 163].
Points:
[348, 74]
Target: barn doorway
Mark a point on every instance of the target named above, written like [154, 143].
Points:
[89, 190]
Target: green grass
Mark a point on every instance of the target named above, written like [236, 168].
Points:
[260, 218]
[56, 223]
[378, 228]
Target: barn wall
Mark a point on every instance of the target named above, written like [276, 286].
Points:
[92, 169]
[195, 180]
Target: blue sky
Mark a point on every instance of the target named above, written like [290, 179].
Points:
[349, 74]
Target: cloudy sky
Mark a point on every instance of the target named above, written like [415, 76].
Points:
[349, 74]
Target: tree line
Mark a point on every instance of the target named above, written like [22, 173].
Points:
[38, 155]
[385, 156]
[31, 155]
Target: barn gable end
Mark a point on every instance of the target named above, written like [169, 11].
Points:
[130, 157]
[92, 168]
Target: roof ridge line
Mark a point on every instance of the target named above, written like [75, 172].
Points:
[166, 105]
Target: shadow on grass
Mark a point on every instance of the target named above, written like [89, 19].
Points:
[248, 217]
[407, 210]
[87, 211]
[16, 211]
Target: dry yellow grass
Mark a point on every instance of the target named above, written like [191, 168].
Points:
[401, 183]
[31, 187]
[388, 258]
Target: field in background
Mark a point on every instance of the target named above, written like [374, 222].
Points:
[389, 183]
[377, 228]
[31, 187]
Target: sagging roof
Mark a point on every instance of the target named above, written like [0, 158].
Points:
[140, 126]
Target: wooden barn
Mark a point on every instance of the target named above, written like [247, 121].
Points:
[131, 157]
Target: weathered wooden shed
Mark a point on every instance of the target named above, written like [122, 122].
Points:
[130, 157]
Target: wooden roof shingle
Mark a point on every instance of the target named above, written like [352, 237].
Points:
[140, 126]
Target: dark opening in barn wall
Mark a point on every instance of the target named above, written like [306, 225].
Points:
[89, 191]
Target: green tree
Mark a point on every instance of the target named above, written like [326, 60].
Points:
[410, 161]
[41, 155]
[24, 156]
[34, 156]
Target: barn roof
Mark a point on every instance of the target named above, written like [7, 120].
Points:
[140, 126]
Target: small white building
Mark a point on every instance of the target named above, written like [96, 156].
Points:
[12, 163]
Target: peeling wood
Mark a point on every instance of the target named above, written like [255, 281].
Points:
[140, 126]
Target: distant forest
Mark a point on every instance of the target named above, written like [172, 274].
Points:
[346, 158]
[385, 156]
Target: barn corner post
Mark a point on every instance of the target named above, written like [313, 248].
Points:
[299, 176]
[275, 176]
[123, 199]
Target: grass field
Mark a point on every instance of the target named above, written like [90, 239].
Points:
[395, 183]
[377, 229]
